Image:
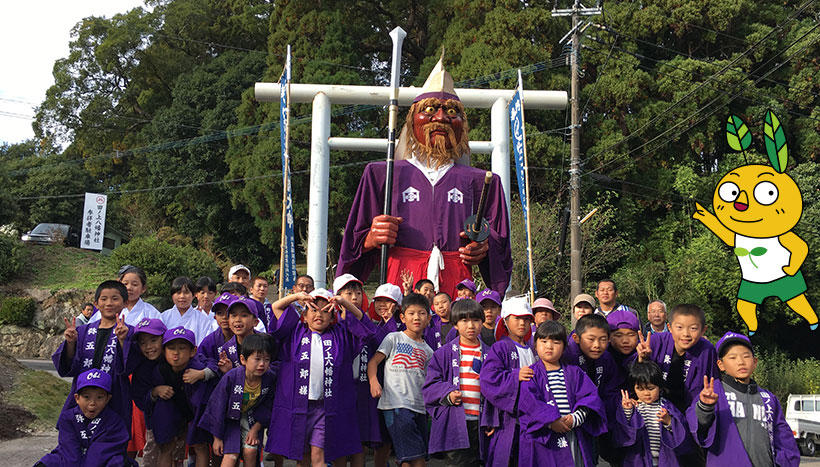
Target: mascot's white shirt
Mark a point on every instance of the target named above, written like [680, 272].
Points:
[769, 265]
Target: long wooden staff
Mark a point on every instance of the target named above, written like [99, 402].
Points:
[397, 35]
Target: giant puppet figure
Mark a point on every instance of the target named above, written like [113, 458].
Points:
[432, 196]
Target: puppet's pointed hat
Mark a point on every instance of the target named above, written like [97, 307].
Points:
[439, 84]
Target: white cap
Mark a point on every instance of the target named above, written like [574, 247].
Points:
[343, 280]
[321, 293]
[516, 306]
[390, 292]
[238, 267]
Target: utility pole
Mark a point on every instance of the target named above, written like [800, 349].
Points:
[578, 26]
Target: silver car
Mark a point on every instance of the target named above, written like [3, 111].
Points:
[47, 234]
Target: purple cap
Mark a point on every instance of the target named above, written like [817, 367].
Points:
[468, 284]
[622, 319]
[155, 327]
[488, 294]
[96, 378]
[226, 300]
[252, 305]
[733, 338]
[179, 332]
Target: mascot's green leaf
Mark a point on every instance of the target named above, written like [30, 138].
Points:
[737, 134]
[775, 138]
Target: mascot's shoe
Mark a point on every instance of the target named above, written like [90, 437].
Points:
[813, 327]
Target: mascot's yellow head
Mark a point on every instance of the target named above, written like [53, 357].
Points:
[758, 200]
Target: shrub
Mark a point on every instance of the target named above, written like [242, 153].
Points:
[11, 250]
[783, 376]
[18, 311]
[163, 262]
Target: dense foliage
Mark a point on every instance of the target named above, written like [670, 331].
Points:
[155, 106]
[18, 311]
[12, 258]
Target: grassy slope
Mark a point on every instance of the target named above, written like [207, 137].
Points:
[56, 267]
[41, 394]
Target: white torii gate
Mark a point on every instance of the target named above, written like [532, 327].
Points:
[324, 95]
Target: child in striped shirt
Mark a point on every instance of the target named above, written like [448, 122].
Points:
[650, 428]
[452, 391]
[560, 410]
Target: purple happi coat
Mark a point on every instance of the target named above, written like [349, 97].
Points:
[500, 388]
[540, 446]
[164, 417]
[113, 362]
[698, 361]
[89, 443]
[433, 215]
[633, 436]
[224, 408]
[448, 431]
[341, 342]
[367, 406]
[209, 349]
[722, 442]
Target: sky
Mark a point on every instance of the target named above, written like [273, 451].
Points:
[33, 34]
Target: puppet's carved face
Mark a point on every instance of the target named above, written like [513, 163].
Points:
[439, 130]
[438, 123]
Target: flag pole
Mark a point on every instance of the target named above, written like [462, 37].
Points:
[285, 175]
[527, 191]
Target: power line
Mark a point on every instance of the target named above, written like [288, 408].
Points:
[663, 113]
[696, 112]
[253, 129]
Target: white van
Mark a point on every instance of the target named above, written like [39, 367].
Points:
[803, 416]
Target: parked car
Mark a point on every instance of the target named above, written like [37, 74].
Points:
[48, 234]
[803, 416]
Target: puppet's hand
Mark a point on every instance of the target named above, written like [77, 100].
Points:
[70, 334]
[474, 252]
[383, 231]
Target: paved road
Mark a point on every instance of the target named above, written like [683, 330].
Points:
[43, 365]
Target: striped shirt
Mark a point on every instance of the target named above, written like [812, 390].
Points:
[558, 388]
[469, 381]
[649, 413]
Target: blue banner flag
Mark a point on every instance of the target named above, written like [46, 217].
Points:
[519, 142]
[288, 261]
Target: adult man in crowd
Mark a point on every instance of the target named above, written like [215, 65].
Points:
[240, 273]
[656, 314]
[607, 295]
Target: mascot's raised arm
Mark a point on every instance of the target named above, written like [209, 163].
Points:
[433, 193]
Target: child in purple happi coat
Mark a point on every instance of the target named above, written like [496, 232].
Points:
[102, 344]
[148, 339]
[90, 433]
[441, 321]
[173, 407]
[587, 349]
[239, 409]
[315, 386]
[736, 421]
[685, 357]
[561, 412]
[490, 301]
[405, 355]
[211, 350]
[624, 328]
[452, 390]
[243, 317]
[507, 365]
[649, 428]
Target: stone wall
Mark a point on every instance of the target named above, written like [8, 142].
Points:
[44, 335]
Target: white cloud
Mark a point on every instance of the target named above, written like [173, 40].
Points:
[34, 34]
